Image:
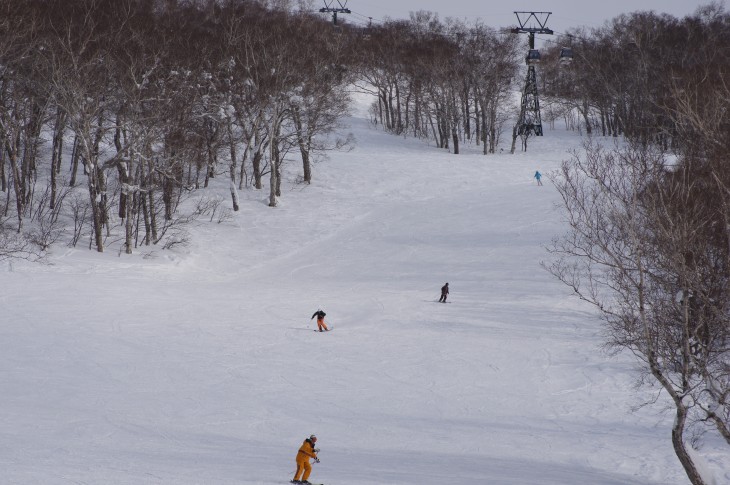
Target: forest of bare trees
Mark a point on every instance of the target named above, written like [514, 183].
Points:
[142, 103]
[449, 82]
[626, 76]
[114, 112]
[649, 237]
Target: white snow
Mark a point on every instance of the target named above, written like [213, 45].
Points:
[200, 366]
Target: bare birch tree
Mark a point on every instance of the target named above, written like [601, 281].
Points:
[637, 249]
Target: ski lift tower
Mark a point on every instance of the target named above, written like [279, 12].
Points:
[530, 122]
[328, 8]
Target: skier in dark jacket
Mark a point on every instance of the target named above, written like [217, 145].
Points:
[320, 320]
[444, 292]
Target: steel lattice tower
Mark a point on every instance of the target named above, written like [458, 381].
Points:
[529, 121]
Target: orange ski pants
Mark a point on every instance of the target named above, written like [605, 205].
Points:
[303, 466]
[321, 325]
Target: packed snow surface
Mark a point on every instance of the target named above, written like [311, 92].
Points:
[198, 365]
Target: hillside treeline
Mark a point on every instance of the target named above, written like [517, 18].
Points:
[143, 102]
[114, 112]
[649, 237]
[449, 82]
[642, 74]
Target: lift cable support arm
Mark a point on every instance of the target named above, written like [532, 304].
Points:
[328, 8]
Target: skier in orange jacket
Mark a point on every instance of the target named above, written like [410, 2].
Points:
[320, 320]
[305, 453]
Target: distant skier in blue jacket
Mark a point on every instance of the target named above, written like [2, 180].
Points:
[538, 176]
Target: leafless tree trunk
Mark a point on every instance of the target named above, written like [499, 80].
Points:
[57, 152]
[274, 175]
[256, 164]
[232, 170]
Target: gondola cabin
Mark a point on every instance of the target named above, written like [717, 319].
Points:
[533, 57]
[566, 55]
